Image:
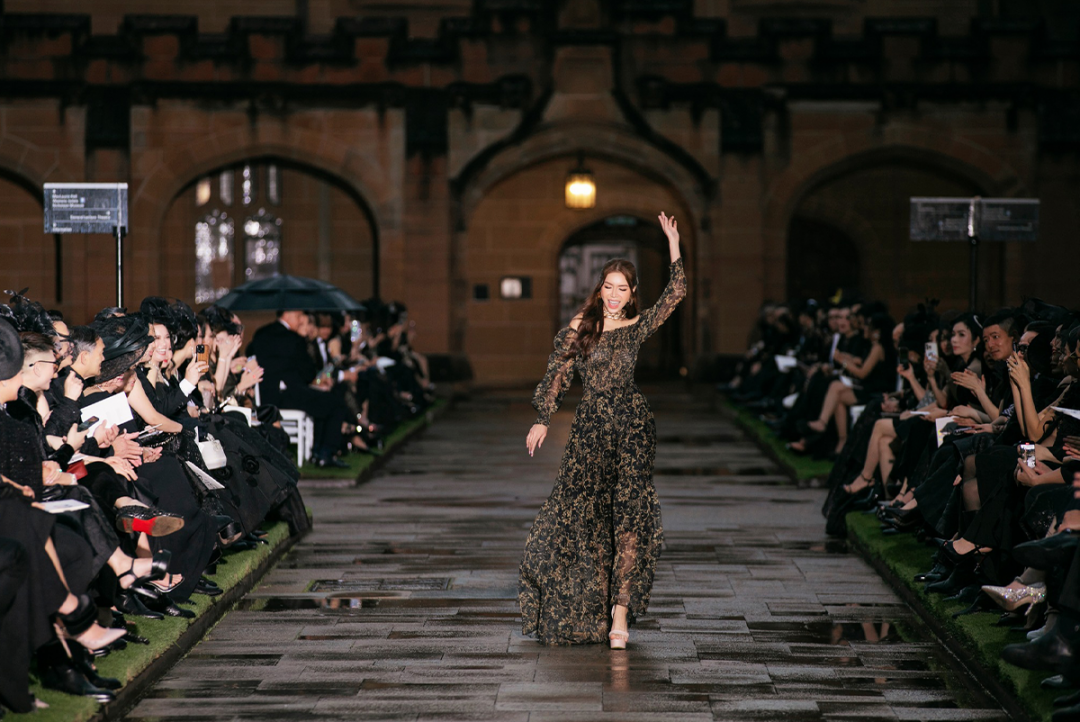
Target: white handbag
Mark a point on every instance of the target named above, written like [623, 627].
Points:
[211, 452]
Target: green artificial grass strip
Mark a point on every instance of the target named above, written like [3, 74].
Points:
[906, 557]
[126, 664]
[359, 462]
[802, 467]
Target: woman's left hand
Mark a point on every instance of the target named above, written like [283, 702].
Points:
[252, 374]
[1028, 476]
[969, 380]
[1018, 370]
[670, 227]
[1025, 475]
[50, 472]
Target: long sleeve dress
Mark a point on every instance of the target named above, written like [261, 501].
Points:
[596, 539]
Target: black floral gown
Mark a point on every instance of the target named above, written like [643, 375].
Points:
[595, 541]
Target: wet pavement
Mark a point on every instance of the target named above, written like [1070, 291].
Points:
[402, 603]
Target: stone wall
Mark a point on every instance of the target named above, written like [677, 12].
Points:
[435, 140]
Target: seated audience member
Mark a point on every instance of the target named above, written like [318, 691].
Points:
[999, 491]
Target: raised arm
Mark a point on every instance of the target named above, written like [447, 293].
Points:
[675, 291]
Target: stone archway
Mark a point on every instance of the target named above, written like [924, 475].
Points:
[612, 144]
[162, 173]
[31, 258]
[867, 209]
[518, 228]
[941, 152]
[325, 228]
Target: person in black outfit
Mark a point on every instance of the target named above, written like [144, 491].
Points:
[289, 375]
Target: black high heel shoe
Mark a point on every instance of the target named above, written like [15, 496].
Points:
[159, 567]
[848, 490]
[948, 550]
[147, 520]
[865, 501]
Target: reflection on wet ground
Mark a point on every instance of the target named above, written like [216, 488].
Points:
[401, 604]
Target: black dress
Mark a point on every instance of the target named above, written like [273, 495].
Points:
[25, 624]
[596, 540]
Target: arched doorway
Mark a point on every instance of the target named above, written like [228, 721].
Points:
[519, 228]
[262, 216]
[851, 231]
[821, 260]
[641, 242]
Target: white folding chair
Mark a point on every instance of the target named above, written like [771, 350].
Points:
[301, 430]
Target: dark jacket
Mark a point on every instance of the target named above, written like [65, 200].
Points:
[284, 356]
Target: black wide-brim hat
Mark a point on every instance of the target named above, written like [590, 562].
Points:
[126, 339]
[11, 351]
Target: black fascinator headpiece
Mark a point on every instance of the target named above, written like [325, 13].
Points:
[30, 316]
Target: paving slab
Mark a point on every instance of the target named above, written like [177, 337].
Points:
[402, 602]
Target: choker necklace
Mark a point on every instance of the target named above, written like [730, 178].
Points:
[615, 316]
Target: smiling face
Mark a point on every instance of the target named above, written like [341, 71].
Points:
[615, 292]
[162, 346]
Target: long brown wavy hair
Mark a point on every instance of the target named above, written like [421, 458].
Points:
[592, 312]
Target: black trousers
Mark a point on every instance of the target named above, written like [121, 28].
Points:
[329, 411]
[25, 624]
[14, 567]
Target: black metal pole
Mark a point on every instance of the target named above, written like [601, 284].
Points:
[974, 272]
[119, 266]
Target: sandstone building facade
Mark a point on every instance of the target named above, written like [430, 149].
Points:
[419, 151]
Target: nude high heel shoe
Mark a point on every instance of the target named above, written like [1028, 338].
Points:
[1011, 599]
[617, 639]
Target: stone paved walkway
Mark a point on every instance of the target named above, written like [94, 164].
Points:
[401, 605]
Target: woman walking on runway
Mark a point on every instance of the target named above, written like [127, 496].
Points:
[590, 558]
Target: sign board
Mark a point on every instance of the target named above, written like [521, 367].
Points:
[86, 207]
[1008, 219]
[940, 219]
[987, 219]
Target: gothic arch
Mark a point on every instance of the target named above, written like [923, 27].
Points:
[31, 166]
[842, 217]
[182, 166]
[913, 146]
[613, 144]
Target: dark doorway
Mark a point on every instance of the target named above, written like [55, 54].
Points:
[643, 244]
[821, 260]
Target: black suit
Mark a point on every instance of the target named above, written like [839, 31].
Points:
[288, 371]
